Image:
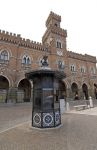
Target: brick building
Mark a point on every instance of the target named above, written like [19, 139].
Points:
[19, 55]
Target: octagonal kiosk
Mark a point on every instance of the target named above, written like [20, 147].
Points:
[46, 93]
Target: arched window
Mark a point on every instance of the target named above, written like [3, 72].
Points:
[82, 69]
[93, 70]
[59, 44]
[61, 64]
[73, 68]
[56, 24]
[26, 60]
[4, 55]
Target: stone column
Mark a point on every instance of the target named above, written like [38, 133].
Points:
[12, 95]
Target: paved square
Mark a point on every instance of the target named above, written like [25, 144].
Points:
[78, 132]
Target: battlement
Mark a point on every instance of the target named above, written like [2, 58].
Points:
[90, 58]
[59, 31]
[17, 39]
[52, 15]
[55, 30]
[81, 57]
[3, 32]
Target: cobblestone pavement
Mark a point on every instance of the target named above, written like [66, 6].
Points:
[78, 132]
[11, 116]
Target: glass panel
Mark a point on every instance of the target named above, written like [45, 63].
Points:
[37, 99]
[4, 55]
[28, 61]
[24, 60]
[48, 99]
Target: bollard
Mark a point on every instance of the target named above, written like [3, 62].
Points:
[91, 102]
[62, 106]
[67, 106]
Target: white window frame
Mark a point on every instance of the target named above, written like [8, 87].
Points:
[72, 67]
[4, 57]
[58, 44]
[62, 63]
[93, 70]
[25, 62]
[82, 69]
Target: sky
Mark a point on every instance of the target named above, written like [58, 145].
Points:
[28, 17]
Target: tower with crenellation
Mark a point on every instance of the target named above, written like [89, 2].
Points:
[55, 37]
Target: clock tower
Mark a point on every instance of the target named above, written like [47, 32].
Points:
[55, 37]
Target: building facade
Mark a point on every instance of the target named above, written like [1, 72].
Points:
[19, 55]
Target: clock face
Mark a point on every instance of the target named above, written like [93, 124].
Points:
[60, 53]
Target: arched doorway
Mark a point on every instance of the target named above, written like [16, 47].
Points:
[62, 88]
[24, 88]
[95, 90]
[85, 91]
[74, 88]
[4, 86]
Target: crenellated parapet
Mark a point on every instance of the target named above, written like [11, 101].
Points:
[90, 58]
[55, 30]
[9, 37]
[59, 31]
[32, 44]
[81, 57]
[52, 15]
[17, 39]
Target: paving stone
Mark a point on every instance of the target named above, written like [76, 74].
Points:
[78, 132]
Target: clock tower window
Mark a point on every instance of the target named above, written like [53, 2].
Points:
[59, 44]
[56, 24]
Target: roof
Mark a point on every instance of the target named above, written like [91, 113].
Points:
[37, 73]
